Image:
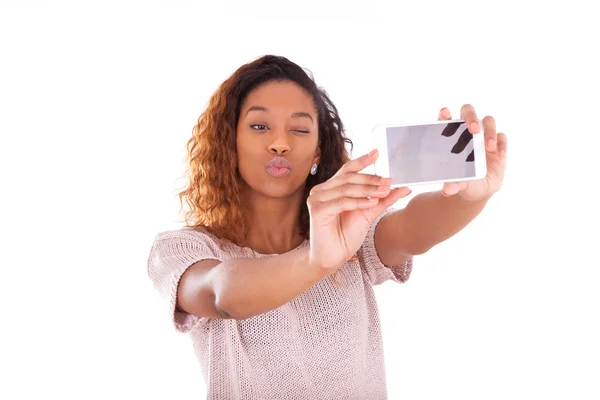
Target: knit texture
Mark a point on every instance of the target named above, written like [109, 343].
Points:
[324, 344]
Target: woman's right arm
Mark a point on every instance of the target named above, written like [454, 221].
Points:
[243, 288]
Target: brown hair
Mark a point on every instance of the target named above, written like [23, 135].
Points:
[213, 182]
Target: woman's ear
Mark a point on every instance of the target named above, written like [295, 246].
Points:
[317, 158]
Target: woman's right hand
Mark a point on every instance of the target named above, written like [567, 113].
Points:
[343, 208]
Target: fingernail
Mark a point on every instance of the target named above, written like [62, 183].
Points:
[444, 193]
[372, 152]
[474, 127]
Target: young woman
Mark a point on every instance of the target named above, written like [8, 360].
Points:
[273, 274]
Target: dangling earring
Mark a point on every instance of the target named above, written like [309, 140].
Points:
[313, 170]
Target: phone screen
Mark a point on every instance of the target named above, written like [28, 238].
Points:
[432, 152]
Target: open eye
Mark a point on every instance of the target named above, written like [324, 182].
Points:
[258, 127]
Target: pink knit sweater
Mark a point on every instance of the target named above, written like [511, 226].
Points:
[324, 344]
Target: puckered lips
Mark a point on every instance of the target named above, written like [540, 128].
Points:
[279, 167]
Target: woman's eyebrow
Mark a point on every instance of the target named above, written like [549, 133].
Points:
[257, 108]
[302, 115]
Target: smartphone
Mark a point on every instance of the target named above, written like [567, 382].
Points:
[429, 153]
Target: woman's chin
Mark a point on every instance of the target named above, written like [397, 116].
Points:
[278, 189]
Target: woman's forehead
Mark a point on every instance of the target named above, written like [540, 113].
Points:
[280, 95]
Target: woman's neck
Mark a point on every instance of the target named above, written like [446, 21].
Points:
[273, 223]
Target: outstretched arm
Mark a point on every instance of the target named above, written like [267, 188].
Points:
[427, 220]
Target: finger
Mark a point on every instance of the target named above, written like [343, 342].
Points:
[489, 133]
[452, 188]
[388, 201]
[467, 113]
[395, 195]
[339, 205]
[351, 190]
[360, 163]
[353, 178]
[444, 114]
[501, 146]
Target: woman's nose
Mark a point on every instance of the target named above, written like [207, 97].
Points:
[279, 145]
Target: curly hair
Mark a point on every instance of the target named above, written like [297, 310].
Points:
[213, 182]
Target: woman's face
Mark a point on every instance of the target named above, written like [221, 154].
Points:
[277, 139]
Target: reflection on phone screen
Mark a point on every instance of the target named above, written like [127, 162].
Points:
[430, 152]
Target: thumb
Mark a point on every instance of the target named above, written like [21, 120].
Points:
[386, 202]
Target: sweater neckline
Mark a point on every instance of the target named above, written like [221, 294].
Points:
[256, 254]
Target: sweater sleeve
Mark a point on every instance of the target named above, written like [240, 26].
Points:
[376, 271]
[171, 254]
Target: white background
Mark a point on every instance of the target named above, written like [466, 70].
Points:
[97, 102]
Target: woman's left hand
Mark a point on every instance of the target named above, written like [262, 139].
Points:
[495, 149]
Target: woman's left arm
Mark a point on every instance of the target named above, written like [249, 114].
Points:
[431, 218]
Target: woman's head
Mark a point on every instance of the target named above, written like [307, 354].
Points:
[269, 110]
